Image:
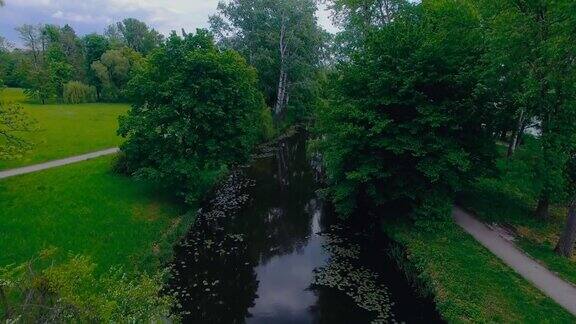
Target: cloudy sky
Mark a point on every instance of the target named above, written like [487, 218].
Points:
[87, 16]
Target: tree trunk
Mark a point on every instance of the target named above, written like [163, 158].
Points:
[281, 96]
[520, 140]
[543, 209]
[517, 134]
[283, 77]
[566, 243]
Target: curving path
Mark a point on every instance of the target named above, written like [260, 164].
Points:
[56, 163]
[563, 292]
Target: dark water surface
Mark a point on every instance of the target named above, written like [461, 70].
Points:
[266, 249]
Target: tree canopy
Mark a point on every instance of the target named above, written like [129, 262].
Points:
[283, 41]
[403, 125]
[197, 110]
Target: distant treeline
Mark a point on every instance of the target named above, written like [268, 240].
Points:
[54, 56]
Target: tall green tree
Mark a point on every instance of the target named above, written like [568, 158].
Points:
[4, 60]
[94, 46]
[283, 41]
[135, 34]
[113, 71]
[403, 124]
[197, 110]
[49, 65]
[357, 18]
[531, 75]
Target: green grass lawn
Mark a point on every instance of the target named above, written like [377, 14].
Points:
[86, 209]
[65, 130]
[470, 284]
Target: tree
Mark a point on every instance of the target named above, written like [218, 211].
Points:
[114, 70]
[72, 47]
[358, 18]
[283, 41]
[567, 240]
[135, 34]
[33, 40]
[403, 124]
[94, 46]
[531, 54]
[4, 60]
[561, 75]
[49, 68]
[197, 110]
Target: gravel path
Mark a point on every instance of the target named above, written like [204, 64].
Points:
[56, 163]
[563, 292]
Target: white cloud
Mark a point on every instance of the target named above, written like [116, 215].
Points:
[77, 17]
[94, 15]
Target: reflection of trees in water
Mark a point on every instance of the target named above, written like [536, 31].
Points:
[347, 273]
[332, 306]
[214, 271]
[213, 276]
[279, 219]
[215, 279]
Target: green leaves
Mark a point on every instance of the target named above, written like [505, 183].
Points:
[402, 124]
[197, 112]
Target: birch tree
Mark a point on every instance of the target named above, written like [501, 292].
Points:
[283, 41]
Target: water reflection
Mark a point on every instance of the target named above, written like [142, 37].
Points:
[255, 253]
[283, 292]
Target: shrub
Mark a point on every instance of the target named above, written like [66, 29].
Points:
[77, 92]
[71, 292]
[13, 124]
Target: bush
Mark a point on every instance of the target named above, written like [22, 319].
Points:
[13, 124]
[77, 92]
[71, 292]
[197, 111]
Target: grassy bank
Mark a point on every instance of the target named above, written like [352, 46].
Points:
[538, 238]
[470, 284]
[85, 209]
[65, 130]
[509, 198]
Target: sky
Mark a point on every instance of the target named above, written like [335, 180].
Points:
[87, 16]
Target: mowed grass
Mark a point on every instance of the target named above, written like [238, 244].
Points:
[85, 209]
[65, 130]
[470, 284]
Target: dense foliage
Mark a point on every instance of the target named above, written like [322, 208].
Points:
[403, 124]
[283, 41]
[113, 71]
[77, 92]
[197, 110]
[72, 292]
[53, 56]
[13, 124]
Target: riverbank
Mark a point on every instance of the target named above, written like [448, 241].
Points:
[537, 237]
[468, 282]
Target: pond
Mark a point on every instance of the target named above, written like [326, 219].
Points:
[267, 249]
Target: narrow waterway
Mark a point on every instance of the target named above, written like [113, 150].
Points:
[267, 249]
